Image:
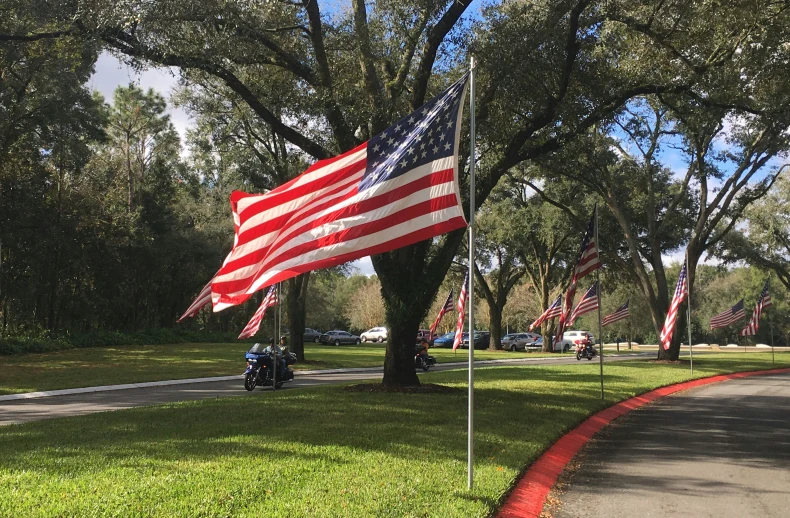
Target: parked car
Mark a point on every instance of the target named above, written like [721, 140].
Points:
[481, 340]
[518, 341]
[311, 335]
[376, 334]
[535, 345]
[445, 340]
[425, 333]
[338, 337]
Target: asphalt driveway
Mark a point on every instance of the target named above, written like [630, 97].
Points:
[721, 451]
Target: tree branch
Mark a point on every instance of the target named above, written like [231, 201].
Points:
[436, 36]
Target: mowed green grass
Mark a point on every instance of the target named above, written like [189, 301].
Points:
[320, 452]
[134, 364]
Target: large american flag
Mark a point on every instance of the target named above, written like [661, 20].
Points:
[728, 317]
[681, 291]
[399, 188]
[254, 324]
[448, 306]
[588, 262]
[620, 314]
[459, 325]
[588, 303]
[552, 311]
[763, 302]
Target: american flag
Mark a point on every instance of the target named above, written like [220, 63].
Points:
[620, 314]
[763, 302]
[459, 325]
[588, 303]
[203, 298]
[588, 262]
[552, 311]
[728, 317]
[448, 306]
[255, 322]
[681, 291]
[399, 188]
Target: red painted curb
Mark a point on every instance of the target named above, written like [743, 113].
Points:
[529, 495]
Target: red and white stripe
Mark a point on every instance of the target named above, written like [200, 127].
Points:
[728, 317]
[754, 323]
[588, 303]
[447, 306]
[681, 291]
[320, 220]
[254, 324]
[552, 311]
[203, 298]
[620, 314]
[459, 325]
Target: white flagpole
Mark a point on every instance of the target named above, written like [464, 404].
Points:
[771, 327]
[688, 308]
[471, 295]
[279, 312]
[598, 281]
[275, 341]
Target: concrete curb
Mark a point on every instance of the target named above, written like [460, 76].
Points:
[216, 379]
[530, 492]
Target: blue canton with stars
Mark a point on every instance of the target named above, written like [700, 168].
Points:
[426, 135]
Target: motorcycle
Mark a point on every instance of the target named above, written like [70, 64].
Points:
[260, 368]
[423, 363]
[585, 349]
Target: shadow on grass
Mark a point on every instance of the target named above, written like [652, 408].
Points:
[431, 426]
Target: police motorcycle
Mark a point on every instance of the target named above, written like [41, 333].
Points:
[260, 367]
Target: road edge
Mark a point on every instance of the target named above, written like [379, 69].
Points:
[529, 494]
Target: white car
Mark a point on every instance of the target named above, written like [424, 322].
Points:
[377, 334]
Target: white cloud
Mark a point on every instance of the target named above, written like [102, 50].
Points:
[111, 73]
[365, 266]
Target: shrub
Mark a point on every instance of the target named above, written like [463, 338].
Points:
[41, 344]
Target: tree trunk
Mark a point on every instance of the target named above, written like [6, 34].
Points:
[403, 322]
[408, 288]
[296, 304]
[495, 322]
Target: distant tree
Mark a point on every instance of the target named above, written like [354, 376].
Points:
[365, 308]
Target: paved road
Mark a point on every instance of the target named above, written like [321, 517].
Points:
[719, 451]
[24, 410]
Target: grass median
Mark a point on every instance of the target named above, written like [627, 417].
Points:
[92, 367]
[317, 452]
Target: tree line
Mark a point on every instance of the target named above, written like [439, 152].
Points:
[105, 223]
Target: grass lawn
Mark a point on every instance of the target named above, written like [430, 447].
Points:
[133, 364]
[317, 452]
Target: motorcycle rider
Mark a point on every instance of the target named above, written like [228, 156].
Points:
[280, 356]
[424, 349]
